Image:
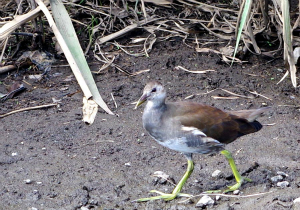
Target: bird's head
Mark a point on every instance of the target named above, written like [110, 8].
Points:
[154, 92]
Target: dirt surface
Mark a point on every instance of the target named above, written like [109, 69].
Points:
[107, 165]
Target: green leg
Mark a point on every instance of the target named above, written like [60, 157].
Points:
[239, 179]
[177, 189]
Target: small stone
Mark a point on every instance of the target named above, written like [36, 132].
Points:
[236, 192]
[282, 173]
[84, 208]
[44, 148]
[216, 173]
[205, 201]
[14, 154]
[162, 177]
[161, 174]
[218, 197]
[297, 200]
[280, 70]
[28, 181]
[297, 203]
[128, 164]
[283, 184]
[33, 208]
[277, 178]
[38, 182]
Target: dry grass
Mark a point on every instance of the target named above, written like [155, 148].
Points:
[201, 26]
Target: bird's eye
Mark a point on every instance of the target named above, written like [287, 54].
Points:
[153, 90]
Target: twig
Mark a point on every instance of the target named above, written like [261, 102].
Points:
[287, 105]
[124, 31]
[255, 93]
[28, 108]
[208, 92]
[113, 98]
[195, 72]
[3, 50]
[117, 34]
[139, 72]
[107, 62]
[225, 195]
[88, 8]
[234, 94]
[224, 97]
[270, 124]
[7, 68]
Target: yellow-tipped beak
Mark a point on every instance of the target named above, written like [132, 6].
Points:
[142, 99]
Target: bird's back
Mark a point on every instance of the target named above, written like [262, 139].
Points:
[215, 123]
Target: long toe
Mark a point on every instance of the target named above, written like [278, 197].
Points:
[237, 185]
[164, 196]
[231, 188]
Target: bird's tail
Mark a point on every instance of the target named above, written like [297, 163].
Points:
[251, 114]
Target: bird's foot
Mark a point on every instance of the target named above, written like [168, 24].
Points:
[165, 196]
[176, 192]
[233, 187]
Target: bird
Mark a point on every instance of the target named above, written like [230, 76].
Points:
[190, 127]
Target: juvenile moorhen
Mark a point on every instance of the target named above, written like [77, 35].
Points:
[189, 128]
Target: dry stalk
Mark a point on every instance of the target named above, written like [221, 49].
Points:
[27, 109]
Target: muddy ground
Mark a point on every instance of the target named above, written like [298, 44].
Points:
[107, 165]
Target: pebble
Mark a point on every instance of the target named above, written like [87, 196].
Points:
[218, 197]
[84, 208]
[32, 208]
[280, 70]
[283, 184]
[297, 200]
[297, 203]
[205, 201]
[161, 174]
[216, 173]
[236, 192]
[28, 181]
[14, 154]
[277, 178]
[128, 164]
[282, 173]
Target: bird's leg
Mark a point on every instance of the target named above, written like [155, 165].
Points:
[239, 179]
[177, 189]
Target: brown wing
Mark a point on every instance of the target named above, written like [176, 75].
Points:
[215, 123]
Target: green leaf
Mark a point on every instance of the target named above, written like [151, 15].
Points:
[65, 26]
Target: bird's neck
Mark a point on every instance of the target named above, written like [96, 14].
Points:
[152, 119]
[157, 104]
[154, 111]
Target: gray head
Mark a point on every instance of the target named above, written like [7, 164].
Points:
[153, 92]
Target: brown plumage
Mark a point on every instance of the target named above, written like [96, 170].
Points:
[215, 123]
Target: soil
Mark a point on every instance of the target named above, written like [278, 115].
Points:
[50, 159]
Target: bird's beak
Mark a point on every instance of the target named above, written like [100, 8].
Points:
[142, 99]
